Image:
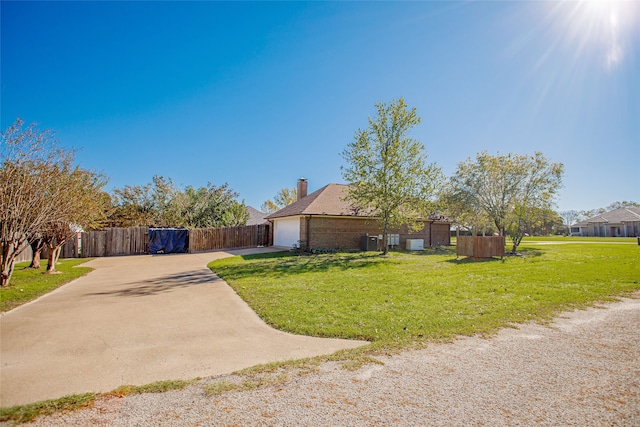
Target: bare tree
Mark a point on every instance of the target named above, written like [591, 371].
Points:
[569, 218]
[30, 158]
[39, 187]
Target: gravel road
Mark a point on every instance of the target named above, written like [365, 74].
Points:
[581, 370]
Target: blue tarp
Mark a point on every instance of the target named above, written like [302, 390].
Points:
[168, 240]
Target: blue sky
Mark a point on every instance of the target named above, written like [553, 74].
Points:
[259, 94]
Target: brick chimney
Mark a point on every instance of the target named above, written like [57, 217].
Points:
[302, 188]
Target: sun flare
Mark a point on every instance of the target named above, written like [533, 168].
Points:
[608, 27]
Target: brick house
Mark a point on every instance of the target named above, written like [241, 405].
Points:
[621, 222]
[324, 219]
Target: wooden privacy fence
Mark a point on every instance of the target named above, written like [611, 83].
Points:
[135, 241]
[115, 241]
[70, 249]
[480, 246]
[208, 239]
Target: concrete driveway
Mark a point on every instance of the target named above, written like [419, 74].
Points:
[137, 320]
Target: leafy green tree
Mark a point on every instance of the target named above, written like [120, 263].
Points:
[284, 197]
[205, 207]
[163, 193]
[162, 204]
[81, 208]
[465, 215]
[132, 206]
[388, 171]
[510, 189]
[236, 215]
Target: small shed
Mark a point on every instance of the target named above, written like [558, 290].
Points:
[480, 246]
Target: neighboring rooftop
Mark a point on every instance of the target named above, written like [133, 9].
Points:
[616, 216]
[255, 216]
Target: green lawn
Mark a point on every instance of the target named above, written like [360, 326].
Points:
[579, 239]
[571, 239]
[28, 284]
[406, 299]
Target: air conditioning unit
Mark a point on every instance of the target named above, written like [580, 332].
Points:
[415, 244]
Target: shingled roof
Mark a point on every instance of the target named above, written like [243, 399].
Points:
[330, 200]
[255, 216]
[616, 216]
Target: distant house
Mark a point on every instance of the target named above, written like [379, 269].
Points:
[255, 216]
[324, 219]
[621, 222]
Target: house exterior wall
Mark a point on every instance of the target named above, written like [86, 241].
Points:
[286, 231]
[626, 229]
[441, 234]
[632, 229]
[339, 233]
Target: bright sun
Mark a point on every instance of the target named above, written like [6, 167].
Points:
[610, 26]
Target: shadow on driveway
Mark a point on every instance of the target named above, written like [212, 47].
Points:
[137, 320]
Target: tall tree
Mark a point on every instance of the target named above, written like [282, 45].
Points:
[284, 197]
[34, 190]
[511, 189]
[388, 171]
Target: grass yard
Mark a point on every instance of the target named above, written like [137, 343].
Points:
[580, 239]
[28, 284]
[407, 299]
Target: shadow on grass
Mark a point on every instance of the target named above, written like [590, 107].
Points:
[471, 260]
[523, 253]
[438, 250]
[288, 263]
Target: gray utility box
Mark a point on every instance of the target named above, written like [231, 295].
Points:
[369, 243]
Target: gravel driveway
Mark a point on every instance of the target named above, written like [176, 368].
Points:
[582, 370]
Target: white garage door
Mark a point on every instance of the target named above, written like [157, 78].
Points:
[286, 231]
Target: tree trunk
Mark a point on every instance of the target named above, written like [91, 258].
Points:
[54, 253]
[36, 247]
[385, 234]
[7, 271]
[8, 256]
[51, 259]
